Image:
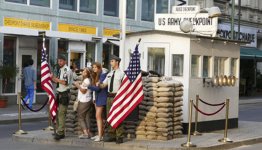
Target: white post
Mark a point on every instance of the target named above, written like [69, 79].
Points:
[123, 33]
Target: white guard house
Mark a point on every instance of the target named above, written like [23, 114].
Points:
[195, 61]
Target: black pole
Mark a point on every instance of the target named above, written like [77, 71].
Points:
[239, 16]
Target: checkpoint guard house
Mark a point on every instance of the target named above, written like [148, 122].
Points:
[198, 59]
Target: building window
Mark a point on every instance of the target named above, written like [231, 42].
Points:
[17, 1]
[111, 8]
[195, 66]
[45, 3]
[206, 66]
[219, 66]
[148, 10]
[178, 63]
[68, 4]
[9, 58]
[156, 60]
[130, 9]
[88, 6]
[90, 53]
[162, 6]
[233, 68]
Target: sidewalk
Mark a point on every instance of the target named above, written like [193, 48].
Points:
[247, 133]
[9, 114]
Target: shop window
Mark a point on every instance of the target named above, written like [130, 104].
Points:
[38, 67]
[195, 66]
[90, 53]
[206, 66]
[9, 58]
[130, 9]
[162, 6]
[17, 1]
[88, 6]
[148, 7]
[68, 4]
[219, 66]
[111, 8]
[178, 64]
[45, 3]
[233, 68]
[156, 60]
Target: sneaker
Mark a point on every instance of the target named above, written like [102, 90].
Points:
[98, 139]
[94, 137]
[83, 136]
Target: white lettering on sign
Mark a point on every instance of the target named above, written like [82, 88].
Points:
[248, 34]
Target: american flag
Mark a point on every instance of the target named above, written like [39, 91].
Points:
[130, 93]
[46, 83]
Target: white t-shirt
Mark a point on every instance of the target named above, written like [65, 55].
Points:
[87, 96]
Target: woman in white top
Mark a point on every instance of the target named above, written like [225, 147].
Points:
[85, 103]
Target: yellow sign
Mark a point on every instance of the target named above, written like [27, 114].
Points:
[76, 28]
[110, 32]
[30, 24]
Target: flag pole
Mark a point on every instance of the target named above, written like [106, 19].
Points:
[123, 33]
[43, 34]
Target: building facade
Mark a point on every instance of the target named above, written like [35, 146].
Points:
[80, 29]
[83, 30]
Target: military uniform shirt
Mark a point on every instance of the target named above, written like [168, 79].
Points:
[64, 74]
[119, 75]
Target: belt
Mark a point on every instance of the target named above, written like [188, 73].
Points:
[111, 94]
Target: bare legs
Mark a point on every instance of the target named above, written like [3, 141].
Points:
[99, 119]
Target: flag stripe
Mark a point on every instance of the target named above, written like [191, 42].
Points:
[130, 93]
[46, 84]
[121, 111]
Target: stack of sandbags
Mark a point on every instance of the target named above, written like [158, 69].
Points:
[129, 127]
[178, 103]
[165, 111]
[71, 123]
[160, 112]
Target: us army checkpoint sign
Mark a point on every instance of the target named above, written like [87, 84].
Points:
[202, 24]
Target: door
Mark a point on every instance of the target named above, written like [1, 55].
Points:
[23, 56]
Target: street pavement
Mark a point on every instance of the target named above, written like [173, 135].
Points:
[250, 121]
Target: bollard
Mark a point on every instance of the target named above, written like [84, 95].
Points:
[226, 139]
[188, 143]
[20, 131]
[49, 128]
[196, 133]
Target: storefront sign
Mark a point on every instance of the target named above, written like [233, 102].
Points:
[30, 24]
[202, 24]
[185, 9]
[110, 32]
[248, 34]
[76, 29]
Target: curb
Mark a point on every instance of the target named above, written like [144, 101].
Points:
[128, 146]
[12, 121]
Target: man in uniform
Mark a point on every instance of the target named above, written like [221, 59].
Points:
[113, 81]
[63, 80]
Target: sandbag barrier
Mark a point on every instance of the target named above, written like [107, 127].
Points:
[225, 139]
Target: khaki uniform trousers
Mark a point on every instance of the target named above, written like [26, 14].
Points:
[119, 131]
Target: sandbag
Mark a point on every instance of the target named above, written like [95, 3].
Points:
[165, 84]
[164, 105]
[178, 104]
[164, 119]
[165, 89]
[179, 93]
[163, 99]
[165, 94]
[165, 110]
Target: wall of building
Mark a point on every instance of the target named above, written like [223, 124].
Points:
[214, 94]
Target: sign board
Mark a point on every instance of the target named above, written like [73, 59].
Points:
[76, 28]
[202, 24]
[29, 24]
[110, 32]
[246, 33]
[185, 9]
